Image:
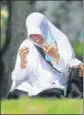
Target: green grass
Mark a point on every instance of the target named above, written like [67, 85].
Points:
[42, 106]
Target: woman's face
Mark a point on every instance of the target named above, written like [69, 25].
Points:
[37, 38]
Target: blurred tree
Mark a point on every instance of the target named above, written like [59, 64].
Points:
[63, 13]
[18, 11]
[4, 80]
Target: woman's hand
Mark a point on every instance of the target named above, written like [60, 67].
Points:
[52, 51]
[23, 56]
[81, 70]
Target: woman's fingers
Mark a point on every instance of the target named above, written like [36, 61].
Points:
[48, 50]
[45, 50]
[81, 66]
[24, 49]
[81, 70]
[23, 52]
[46, 46]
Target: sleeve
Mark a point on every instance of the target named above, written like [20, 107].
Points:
[18, 75]
[66, 53]
[74, 62]
[65, 49]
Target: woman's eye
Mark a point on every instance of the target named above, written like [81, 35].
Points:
[34, 38]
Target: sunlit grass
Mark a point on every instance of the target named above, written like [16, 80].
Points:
[42, 106]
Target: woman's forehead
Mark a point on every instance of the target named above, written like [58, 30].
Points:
[36, 35]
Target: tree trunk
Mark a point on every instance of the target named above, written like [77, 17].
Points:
[19, 10]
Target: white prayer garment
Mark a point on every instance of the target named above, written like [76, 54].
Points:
[38, 74]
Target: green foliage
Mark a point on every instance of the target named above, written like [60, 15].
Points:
[27, 105]
[4, 17]
[78, 48]
[4, 21]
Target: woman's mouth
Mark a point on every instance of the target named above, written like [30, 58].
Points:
[38, 40]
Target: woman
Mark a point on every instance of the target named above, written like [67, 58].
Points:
[44, 59]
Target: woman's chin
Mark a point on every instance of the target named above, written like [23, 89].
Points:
[40, 43]
[37, 44]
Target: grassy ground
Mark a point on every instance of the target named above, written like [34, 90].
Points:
[42, 106]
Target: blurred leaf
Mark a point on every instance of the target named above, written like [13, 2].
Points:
[4, 17]
[78, 48]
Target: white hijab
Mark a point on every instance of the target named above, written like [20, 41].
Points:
[37, 23]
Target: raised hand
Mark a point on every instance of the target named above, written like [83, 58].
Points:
[23, 56]
[81, 66]
[51, 51]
